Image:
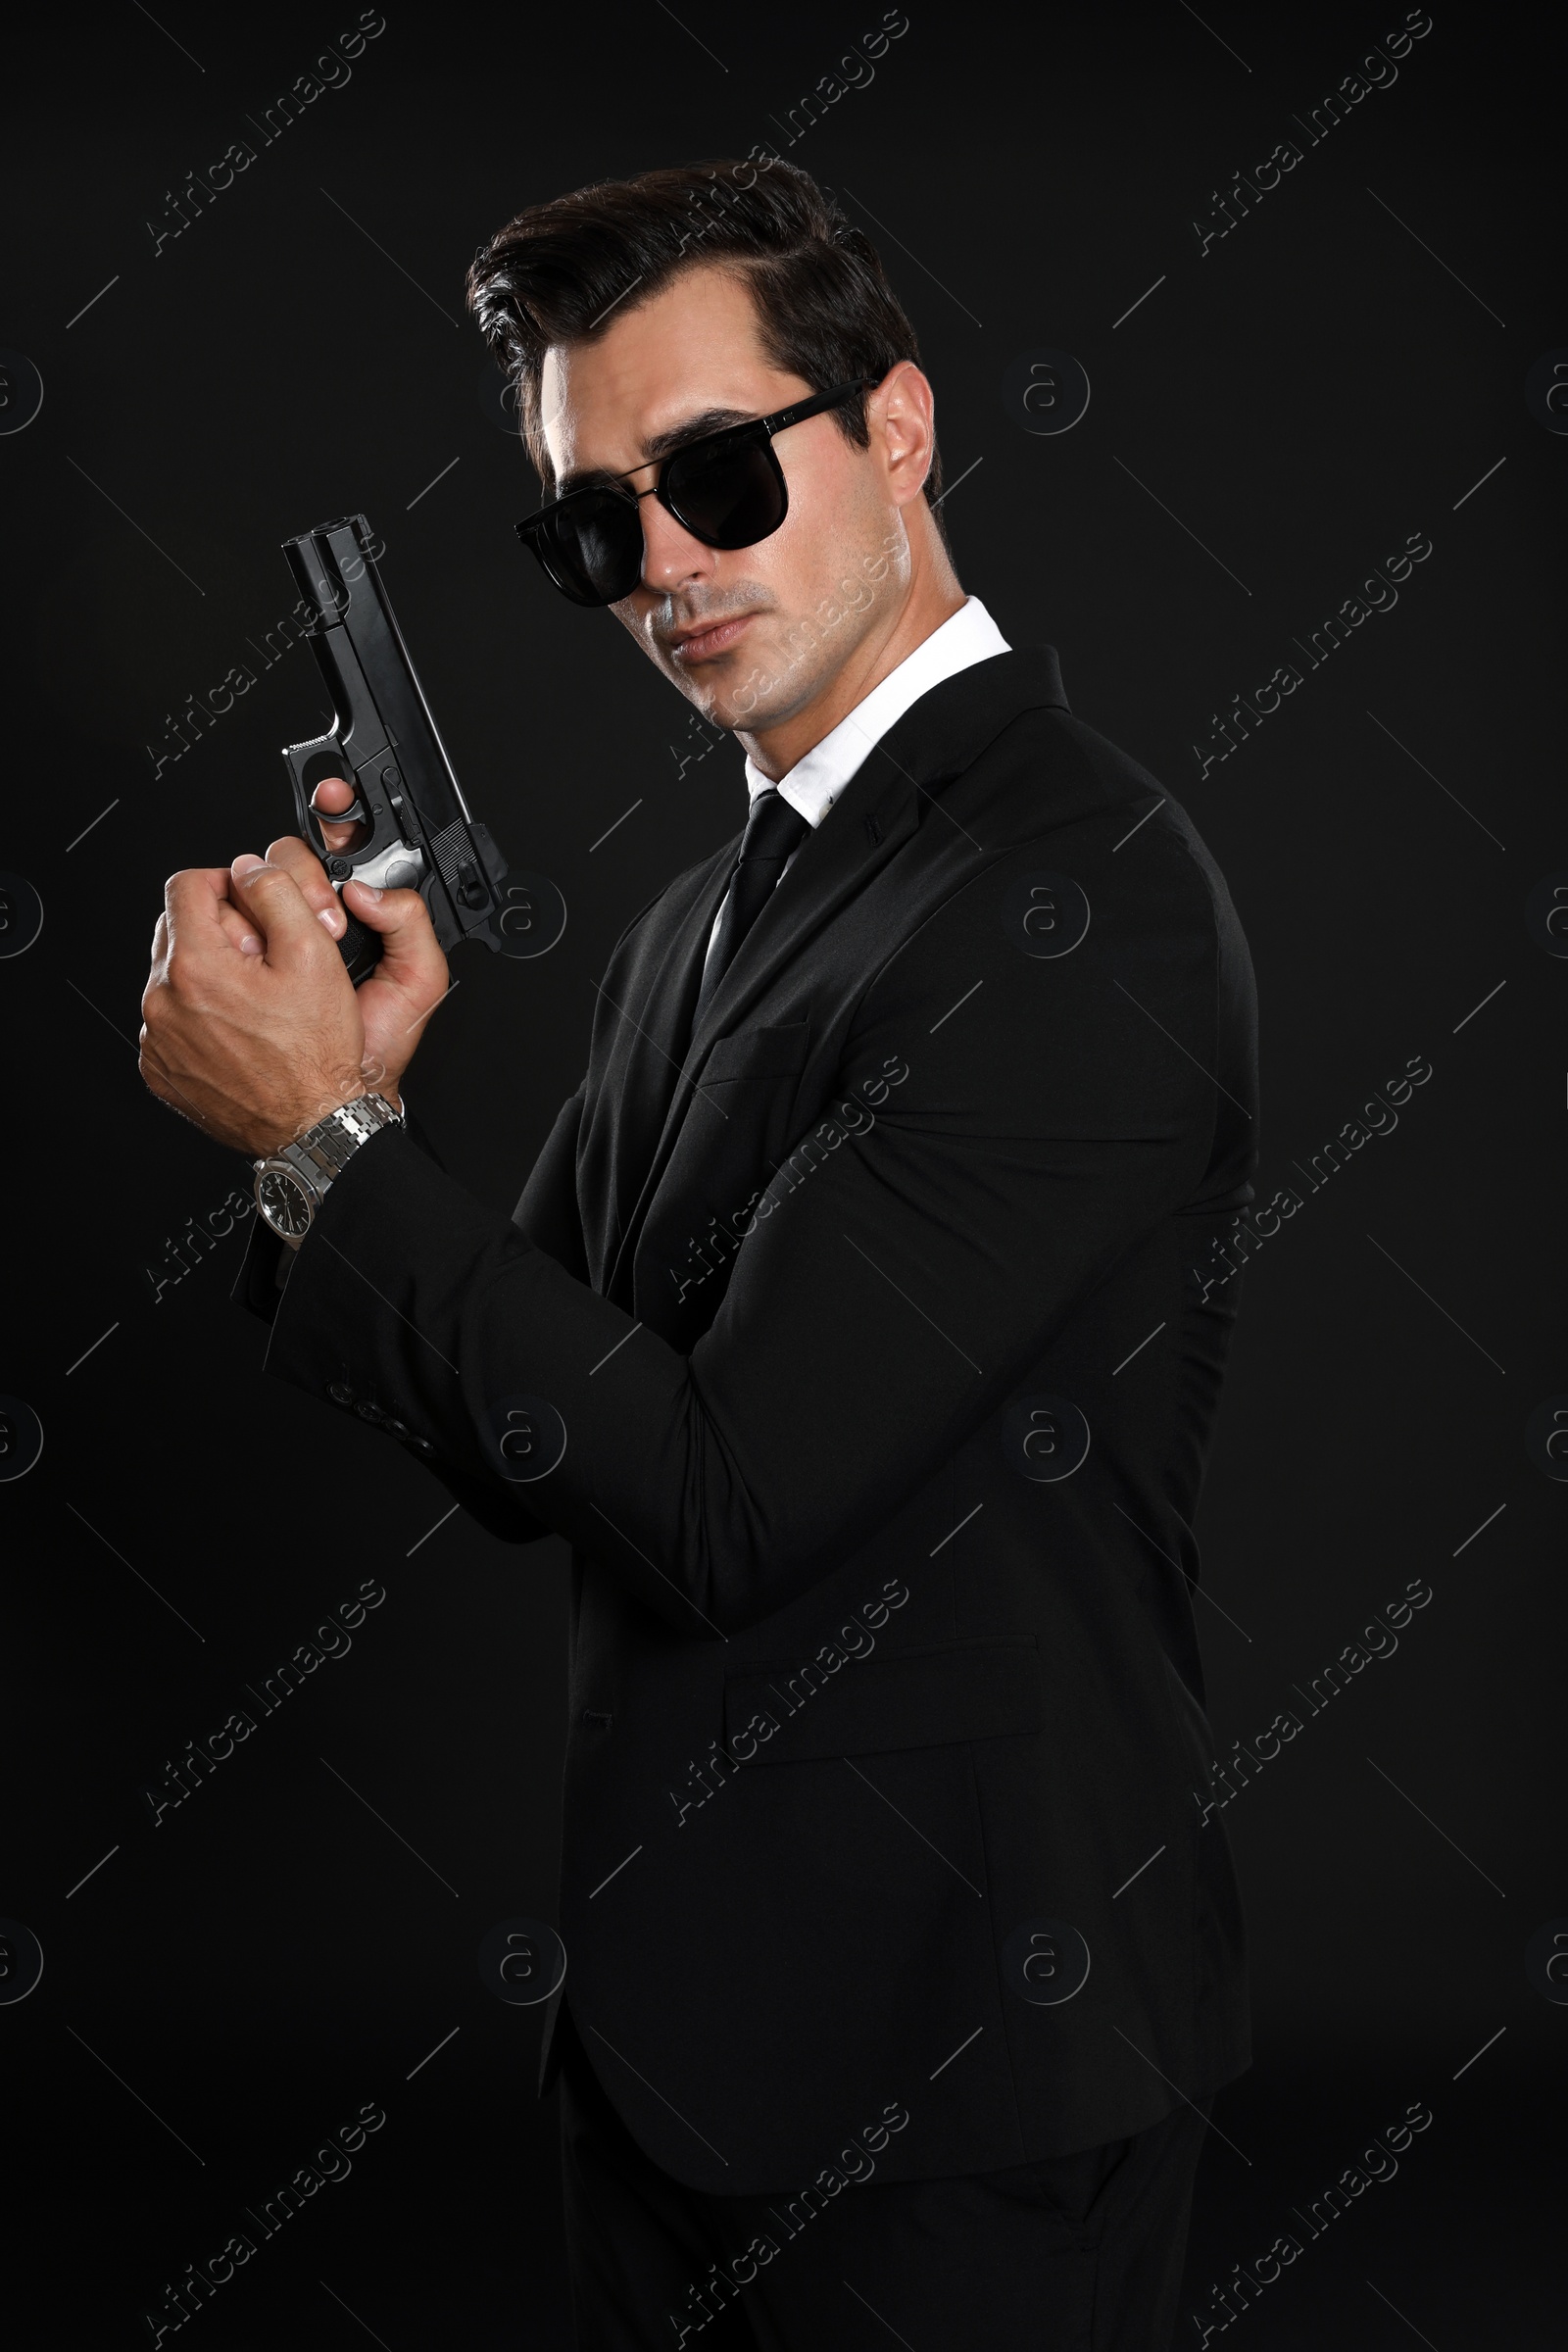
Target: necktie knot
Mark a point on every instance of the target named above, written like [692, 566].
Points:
[773, 831]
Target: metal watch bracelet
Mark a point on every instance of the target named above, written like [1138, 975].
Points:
[292, 1182]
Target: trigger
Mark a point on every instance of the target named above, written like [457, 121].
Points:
[356, 813]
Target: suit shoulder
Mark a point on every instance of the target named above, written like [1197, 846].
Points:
[1054, 765]
[1050, 773]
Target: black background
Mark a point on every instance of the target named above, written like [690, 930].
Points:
[1314, 389]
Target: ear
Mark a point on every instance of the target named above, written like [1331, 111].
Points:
[901, 415]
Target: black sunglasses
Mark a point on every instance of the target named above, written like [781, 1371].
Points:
[727, 489]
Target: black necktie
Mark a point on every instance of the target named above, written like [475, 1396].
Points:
[773, 832]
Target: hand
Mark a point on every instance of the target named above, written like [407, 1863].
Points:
[412, 976]
[251, 1025]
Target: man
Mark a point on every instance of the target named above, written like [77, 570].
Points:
[846, 1326]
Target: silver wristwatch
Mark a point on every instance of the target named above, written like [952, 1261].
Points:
[291, 1183]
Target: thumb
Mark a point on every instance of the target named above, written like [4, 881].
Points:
[276, 903]
[409, 950]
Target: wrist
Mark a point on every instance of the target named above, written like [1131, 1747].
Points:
[292, 1182]
[377, 1079]
[343, 1097]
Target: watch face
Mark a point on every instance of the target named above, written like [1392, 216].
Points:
[283, 1201]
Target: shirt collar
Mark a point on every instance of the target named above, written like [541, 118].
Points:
[813, 784]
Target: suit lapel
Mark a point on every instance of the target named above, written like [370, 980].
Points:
[831, 866]
[660, 1023]
[835, 860]
[646, 1008]
[880, 809]
[896, 787]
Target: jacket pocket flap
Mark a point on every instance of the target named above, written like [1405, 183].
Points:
[986, 1688]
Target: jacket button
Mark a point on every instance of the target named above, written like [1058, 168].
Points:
[397, 1429]
[370, 1412]
[340, 1394]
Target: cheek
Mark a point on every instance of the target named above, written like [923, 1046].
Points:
[813, 561]
[829, 480]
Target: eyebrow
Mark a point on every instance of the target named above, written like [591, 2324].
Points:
[662, 445]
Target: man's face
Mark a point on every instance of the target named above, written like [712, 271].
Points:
[751, 635]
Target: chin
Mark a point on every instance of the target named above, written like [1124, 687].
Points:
[772, 689]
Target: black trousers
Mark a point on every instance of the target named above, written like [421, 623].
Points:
[1079, 2254]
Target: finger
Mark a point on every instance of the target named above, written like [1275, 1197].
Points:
[333, 793]
[273, 899]
[240, 932]
[298, 858]
[194, 895]
[192, 900]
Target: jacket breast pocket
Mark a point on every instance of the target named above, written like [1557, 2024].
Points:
[989, 1687]
[752, 1080]
[716, 1170]
[774, 1052]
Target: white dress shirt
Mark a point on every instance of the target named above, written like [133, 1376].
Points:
[814, 783]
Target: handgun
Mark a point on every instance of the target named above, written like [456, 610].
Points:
[385, 742]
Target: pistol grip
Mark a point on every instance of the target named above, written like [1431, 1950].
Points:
[360, 948]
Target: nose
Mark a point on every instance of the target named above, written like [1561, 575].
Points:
[672, 557]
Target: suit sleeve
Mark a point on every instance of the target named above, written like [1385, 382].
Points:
[268, 1263]
[895, 1282]
[547, 1214]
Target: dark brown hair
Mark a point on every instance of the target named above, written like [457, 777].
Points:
[824, 307]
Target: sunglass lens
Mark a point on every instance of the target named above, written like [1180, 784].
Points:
[598, 544]
[728, 493]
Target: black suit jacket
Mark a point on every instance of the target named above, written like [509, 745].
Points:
[882, 1690]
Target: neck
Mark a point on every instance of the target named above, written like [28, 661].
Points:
[931, 595]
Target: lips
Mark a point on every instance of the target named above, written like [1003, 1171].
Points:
[706, 644]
